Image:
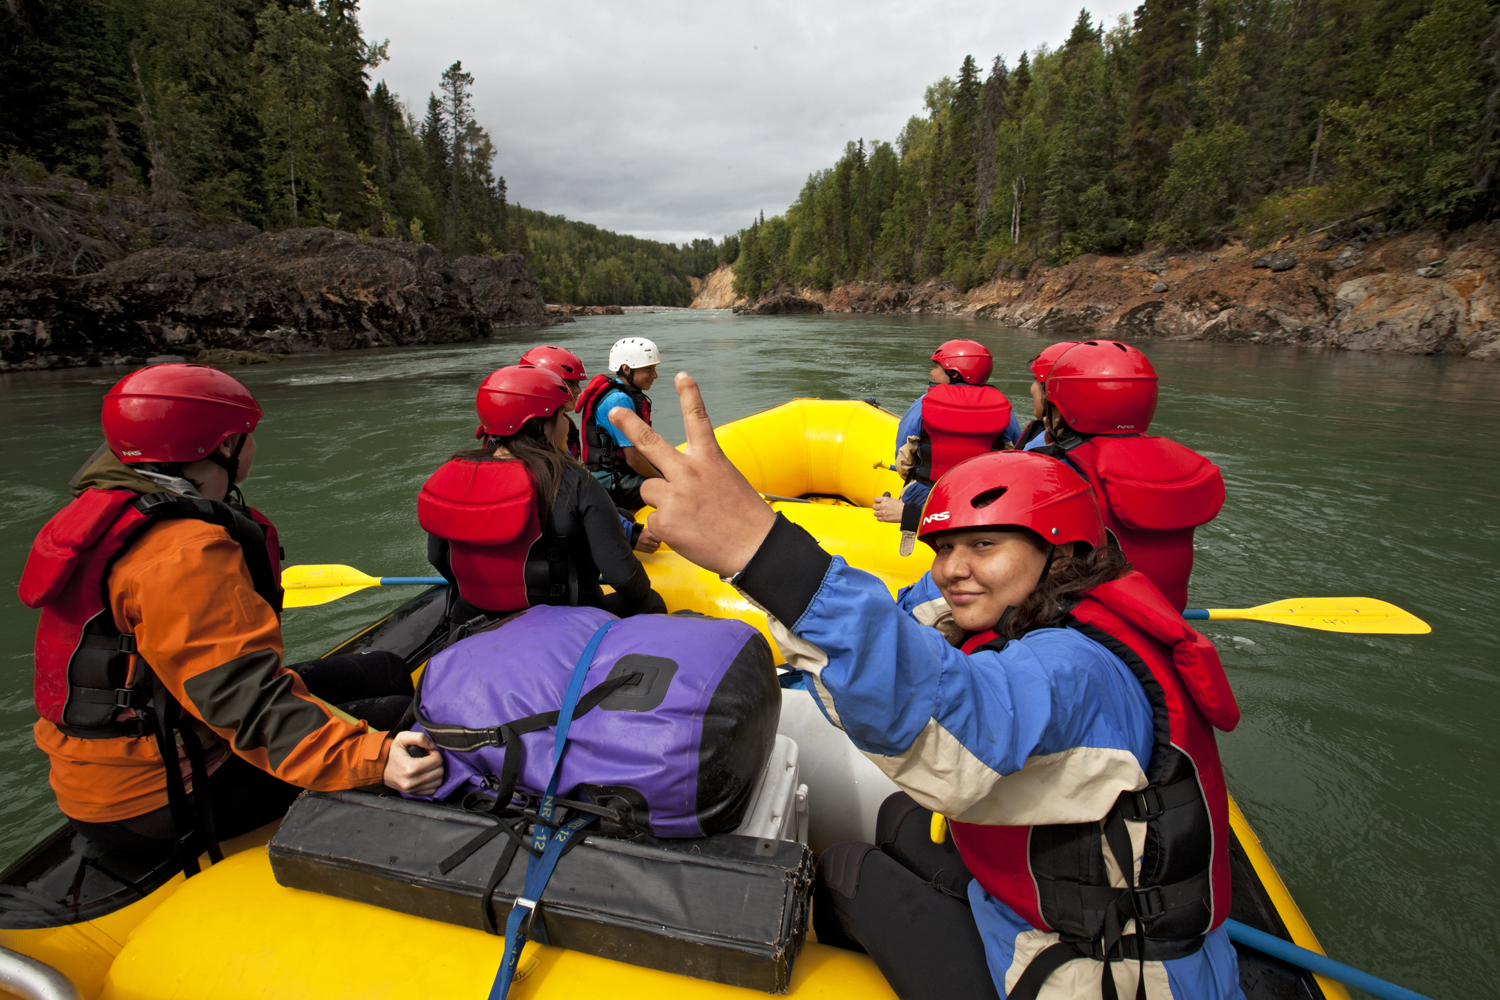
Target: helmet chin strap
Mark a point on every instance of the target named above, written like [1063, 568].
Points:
[231, 465]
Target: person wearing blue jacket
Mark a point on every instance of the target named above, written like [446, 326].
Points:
[959, 416]
[1022, 707]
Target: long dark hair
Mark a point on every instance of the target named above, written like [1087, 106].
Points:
[530, 447]
[1067, 577]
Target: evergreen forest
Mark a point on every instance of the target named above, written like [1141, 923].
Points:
[1196, 121]
[263, 111]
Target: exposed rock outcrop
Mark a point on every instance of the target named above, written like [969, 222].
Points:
[1422, 292]
[275, 293]
[779, 304]
[717, 290]
[565, 310]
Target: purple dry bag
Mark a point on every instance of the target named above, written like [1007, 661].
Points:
[676, 718]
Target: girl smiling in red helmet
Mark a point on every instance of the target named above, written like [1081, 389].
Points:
[1064, 725]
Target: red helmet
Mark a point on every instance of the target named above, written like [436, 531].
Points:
[567, 365]
[969, 358]
[175, 413]
[513, 395]
[1104, 387]
[1013, 489]
[1042, 363]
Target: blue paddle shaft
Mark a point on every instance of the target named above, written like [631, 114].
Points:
[1196, 614]
[412, 581]
[1313, 962]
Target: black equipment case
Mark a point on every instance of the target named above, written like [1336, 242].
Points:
[725, 908]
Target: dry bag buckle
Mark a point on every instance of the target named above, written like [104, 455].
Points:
[1145, 804]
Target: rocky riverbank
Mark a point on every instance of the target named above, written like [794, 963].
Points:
[264, 293]
[1427, 291]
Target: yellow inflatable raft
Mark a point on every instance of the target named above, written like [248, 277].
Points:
[232, 932]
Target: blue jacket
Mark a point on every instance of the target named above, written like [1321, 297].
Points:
[950, 729]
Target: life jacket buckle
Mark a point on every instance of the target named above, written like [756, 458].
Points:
[1146, 804]
[151, 501]
[132, 698]
[127, 642]
[1149, 902]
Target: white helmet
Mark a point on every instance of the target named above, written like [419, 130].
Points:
[637, 352]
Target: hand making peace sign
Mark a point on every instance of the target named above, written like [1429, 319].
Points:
[705, 509]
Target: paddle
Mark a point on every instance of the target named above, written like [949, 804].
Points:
[309, 586]
[1363, 615]
[1302, 958]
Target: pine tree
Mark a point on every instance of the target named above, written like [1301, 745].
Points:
[348, 138]
[458, 116]
[1486, 171]
[991, 113]
[1160, 108]
[964, 138]
[292, 56]
[437, 148]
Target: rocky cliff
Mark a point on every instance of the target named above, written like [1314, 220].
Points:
[273, 293]
[1424, 292]
[716, 291]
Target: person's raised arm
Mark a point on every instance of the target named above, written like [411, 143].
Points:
[945, 726]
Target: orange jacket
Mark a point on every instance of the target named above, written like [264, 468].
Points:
[183, 588]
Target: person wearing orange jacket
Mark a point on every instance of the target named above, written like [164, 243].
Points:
[160, 640]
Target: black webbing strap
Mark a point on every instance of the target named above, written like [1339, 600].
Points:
[192, 817]
[1051, 958]
[201, 796]
[460, 739]
[1118, 837]
[502, 866]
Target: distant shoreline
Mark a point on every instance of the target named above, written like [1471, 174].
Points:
[1426, 291]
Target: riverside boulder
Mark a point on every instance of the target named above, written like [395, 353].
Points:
[275, 293]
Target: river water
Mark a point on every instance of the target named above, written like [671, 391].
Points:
[1365, 763]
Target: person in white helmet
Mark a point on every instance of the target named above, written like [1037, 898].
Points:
[607, 452]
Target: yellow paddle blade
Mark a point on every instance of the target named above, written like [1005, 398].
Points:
[307, 586]
[1331, 614]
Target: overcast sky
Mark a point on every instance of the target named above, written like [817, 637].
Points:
[675, 120]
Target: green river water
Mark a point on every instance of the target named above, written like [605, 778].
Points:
[1364, 762]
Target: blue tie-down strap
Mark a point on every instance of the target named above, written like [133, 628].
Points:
[523, 910]
[549, 847]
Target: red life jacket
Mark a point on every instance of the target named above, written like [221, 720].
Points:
[487, 512]
[600, 452]
[84, 681]
[1054, 876]
[959, 421]
[1152, 493]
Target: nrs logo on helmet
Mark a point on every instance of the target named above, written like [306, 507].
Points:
[939, 516]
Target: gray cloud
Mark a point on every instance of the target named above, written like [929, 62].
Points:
[675, 120]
